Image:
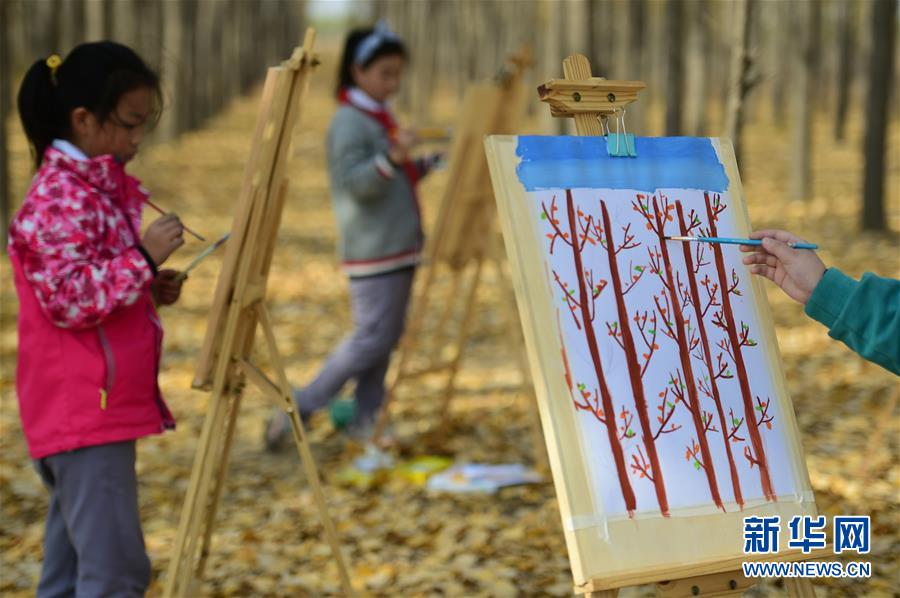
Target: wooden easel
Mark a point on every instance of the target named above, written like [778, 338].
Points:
[238, 308]
[588, 99]
[465, 238]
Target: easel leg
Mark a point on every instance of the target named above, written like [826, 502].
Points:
[306, 457]
[181, 569]
[437, 341]
[517, 340]
[218, 481]
[461, 337]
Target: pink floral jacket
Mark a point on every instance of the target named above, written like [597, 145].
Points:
[90, 339]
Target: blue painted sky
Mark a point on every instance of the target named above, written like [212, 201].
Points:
[661, 163]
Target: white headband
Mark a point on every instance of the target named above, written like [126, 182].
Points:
[381, 33]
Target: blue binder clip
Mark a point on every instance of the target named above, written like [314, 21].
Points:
[620, 145]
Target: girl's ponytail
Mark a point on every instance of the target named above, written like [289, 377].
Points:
[40, 110]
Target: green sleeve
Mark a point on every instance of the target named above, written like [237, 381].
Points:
[864, 315]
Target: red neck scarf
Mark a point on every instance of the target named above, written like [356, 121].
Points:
[383, 117]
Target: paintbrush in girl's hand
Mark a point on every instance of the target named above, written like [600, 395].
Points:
[737, 241]
[183, 274]
[163, 212]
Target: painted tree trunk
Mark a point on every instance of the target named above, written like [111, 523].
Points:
[684, 353]
[746, 396]
[707, 354]
[634, 368]
[591, 337]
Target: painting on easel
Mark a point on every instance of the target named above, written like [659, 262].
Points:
[663, 394]
[673, 325]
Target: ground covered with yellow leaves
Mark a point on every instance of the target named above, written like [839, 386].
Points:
[398, 538]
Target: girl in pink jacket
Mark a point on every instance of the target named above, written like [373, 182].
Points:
[89, 335]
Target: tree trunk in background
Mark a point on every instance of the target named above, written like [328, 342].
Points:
[205, 58]
[124, 26]
[615, 64]
[422, 58]
[881, 76]
[399, 17]
[575, 33]
[780, 18]
[249, 18]
[269, 26]
[42, 25]
[806, 30]
[172, 68]
[45, 28]
[741, 72]
[149, 31]
[231, 50]
[675, 28]
[597, 49]
[71, 14]
[654, 58]
[637, 56]
[696, 74]
[846, 45]
[198, 26]
[94, 20]
[5, 110]
[551, 58]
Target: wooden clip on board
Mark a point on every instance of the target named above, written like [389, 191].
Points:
[592, 101]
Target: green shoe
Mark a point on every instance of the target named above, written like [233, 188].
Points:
[342, 412]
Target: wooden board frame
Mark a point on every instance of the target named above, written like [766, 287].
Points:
[610, 554]
[238, 310]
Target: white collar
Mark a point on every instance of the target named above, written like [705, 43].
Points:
[69, 149]
[363, 100]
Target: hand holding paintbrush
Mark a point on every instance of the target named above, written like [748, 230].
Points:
[166, 287]
[783, 258]
[162, 238]
[164, 213]
[778, 258]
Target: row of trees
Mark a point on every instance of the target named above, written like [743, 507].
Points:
[711, 67]
[207, 51]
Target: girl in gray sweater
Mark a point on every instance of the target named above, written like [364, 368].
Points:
[373, 189]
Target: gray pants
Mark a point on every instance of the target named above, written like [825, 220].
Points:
[93, 544]
[379, 310]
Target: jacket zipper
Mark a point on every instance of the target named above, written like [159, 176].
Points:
[110, 363]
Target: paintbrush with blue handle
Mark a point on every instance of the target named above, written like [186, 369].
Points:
[729, 241]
